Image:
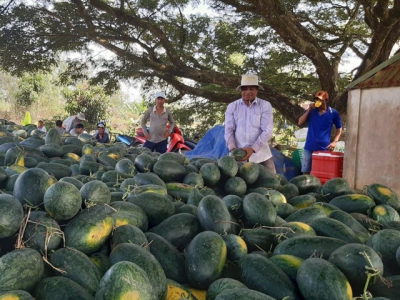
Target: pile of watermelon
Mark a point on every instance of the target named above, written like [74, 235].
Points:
[82, 220]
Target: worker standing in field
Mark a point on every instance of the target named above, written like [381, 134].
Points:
[157, 134]
[249, 123]
[320, 118]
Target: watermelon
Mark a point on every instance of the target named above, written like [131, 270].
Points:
[288, 263]
[157, 207]
[319, 279]
[62, 201]
[249, 172]
[128, 234]
[89, 229]
[210, 173]
[235, 245]
[179, 229]
[78, 267]
[31, 186]
[170, 259]
[307, 246]
[260, 274]
[42, 232]
[213, 215]
[238, 154]
[16, 295]
[306, 183]
[242, 294]
[144, 259]
[205, 259]
[384, 195]
[235, 186]
[60, 288]
[356, 261]
[222, 284]
[11, 215]
[20, 269]
[258, 210]
[144, 163]
[228, 166]
[169, 171]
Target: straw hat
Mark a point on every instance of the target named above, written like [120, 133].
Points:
[249, 80]
[81, 116]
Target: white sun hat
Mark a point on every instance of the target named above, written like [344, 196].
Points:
[249, 80]
[81, 116]
[160, 95]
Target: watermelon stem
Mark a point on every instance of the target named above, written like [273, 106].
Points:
[20, 243]
[371, 272]
[55, 268]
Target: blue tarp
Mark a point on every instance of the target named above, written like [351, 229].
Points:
[212, 145]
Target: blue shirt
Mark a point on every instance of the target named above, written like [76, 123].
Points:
[320, 127]
[105, 139]
[249, 127]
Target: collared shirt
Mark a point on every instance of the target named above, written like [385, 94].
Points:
[74, 133]
[70, 123]
[320, 127]
[104, 139]
[249, 127]
[43, 129]
[158, 124]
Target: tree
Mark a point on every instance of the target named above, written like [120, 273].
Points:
[295, 46]
[91, 100]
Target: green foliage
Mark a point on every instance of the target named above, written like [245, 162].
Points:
[29, 88]
[197, 117]
[296, 47]
[91, 100]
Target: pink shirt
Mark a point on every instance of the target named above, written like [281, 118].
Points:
[249, 127]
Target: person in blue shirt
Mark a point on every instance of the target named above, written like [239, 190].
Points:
[320, 118]
[101, 134]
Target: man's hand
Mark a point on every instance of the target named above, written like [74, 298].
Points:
[166, 134]
[311, 106]
[331, 146]
[147, 136]
[249, 152]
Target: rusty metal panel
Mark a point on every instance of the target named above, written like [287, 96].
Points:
[387, 77]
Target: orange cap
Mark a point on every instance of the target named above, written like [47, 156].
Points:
[321, 95]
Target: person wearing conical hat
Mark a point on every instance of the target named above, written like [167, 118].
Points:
[249, 123]
[320, 118]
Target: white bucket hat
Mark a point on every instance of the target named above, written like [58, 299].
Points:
[249, 80]
[160, 95]
[81, 116]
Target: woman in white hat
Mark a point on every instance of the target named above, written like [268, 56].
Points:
[249, 123]
[71, 122]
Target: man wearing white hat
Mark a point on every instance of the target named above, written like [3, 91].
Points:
[249, 123]
[71, 122]
[159, 116]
